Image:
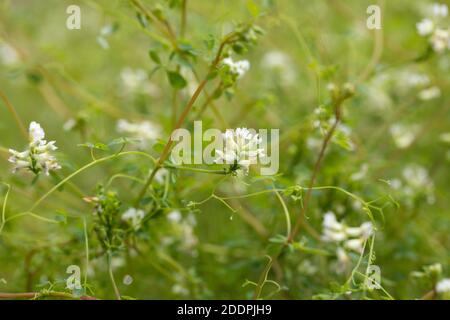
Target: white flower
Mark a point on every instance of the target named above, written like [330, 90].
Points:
[161, 175]
[38, 156]
[146, 132]
[134, 217]
[425, 27]
[416, 79]
[69, 124]
[280, 62]
[440, 40]
[8, 55]
[416, 176]
[353, 238]
[440, 10]
[359, 175]
[241, 148]
[403, 135]
[430, 93]
[355, 245]
[238, 68]
[174, 216]
[343, 260]
[443, 286]
[136, 81]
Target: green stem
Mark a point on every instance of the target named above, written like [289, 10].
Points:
[15, 115]
[111, 276]
[87, 166]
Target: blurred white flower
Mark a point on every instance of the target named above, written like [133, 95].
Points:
[69, 124]
[238, 68]
[417, 176]
[430, 93]
[174, 216]
[38, 156]
[134, 217]
[354, 245]
[425, 27]
[8, 55]
[280, 62]
[351, 238]
[136, 81]
[161, 175]
[359, 175]
[180, 290]
[403, 135]
[443, 286]
[417, 79]
[440, 40]
[445, 137]
[241, 148]
[145, 131]
[440, 10]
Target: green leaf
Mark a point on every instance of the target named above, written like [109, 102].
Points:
[154, 56]
[176, 80]
[253, 8]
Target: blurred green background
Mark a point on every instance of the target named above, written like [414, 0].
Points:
[388, 127]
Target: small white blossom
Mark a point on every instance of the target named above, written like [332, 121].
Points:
[238, 68]
[417, 176]
[134, 217]
[440, 40]
[136, 81]
[279, 62]
[69, 124]
[425, 27]
[359, 175]
[355, 245]
[146, 132]
[443, 286]
[161, 175]
[8, 55]
[351, 238]
[430, 93]
[174, 216]
[440, 10]
[38, 156]
[403, 135]
[241, 148]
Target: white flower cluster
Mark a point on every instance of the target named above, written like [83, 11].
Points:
[237, 68]
[404, 135]
[38, 156]
[352, 238]
[146, 132]
[241, 148]
[134, 217]
[439, 37]
[443, 286]
[416, 181]
[346, 238]
[183, 232]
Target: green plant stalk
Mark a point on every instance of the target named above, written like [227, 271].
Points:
[187, 109]
[15, 115]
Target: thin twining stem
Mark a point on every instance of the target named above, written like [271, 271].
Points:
[326, 141]
[300, 219]
[43, 294]
[182, 118]
[15, 115]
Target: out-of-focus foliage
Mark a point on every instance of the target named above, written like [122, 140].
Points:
[118, 85]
